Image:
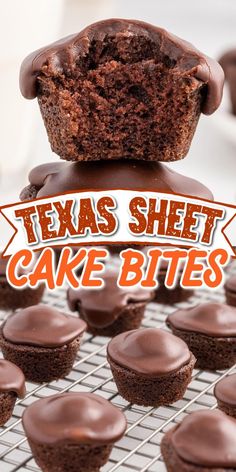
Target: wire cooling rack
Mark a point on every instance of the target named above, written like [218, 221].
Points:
[139, 449]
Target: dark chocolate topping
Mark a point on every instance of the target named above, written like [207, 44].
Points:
[12, 378]
[54, 178]
[43, 326]
[230, 284]
[212, 319]
[65, 53]
[150, 351]
[225, 390]
[207, 439]
[75, 417]
[103, 306]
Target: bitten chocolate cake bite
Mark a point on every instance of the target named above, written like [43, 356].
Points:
[72, 432]
[42, 341]
[230, 290]
[151, 367]
[205, 441]
[228, 63]
[58, 177]
[209, 329]
[12, 298]
[225, 393]
[111, 309]
[12, 385]
[121, 88]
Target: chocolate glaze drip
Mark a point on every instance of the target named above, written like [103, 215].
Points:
[12, 378]
[207, 439]
[230, 284]
[102, 307]
[54, 178]
[212, 319]
[75, 417]
[150, 352]
[43, 326]
[225, 390]
[65, 53]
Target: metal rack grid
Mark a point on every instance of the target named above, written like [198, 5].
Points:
[139, 449]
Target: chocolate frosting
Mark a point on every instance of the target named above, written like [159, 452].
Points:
[43, 326]
[150, 351]
[225, 390]
[81, 418]
[12, 378]
[212, 319]
[207, 439]
[230, 284]
[65, 53]
[101, 307]
[59, 177]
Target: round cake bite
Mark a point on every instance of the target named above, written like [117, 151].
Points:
[205, 441]
[230, 290]
[12, 298]
[121, 88]
[42, 341]
[163, 294]
[151, 367]
[225, 393]
[72, 431]
[110, 309]
[12, 385]
[209, 329]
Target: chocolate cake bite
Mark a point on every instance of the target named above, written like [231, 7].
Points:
[121, 89]
[225, 393]
[72, 432]
[209, 329]
[230, 290]
[42, 341]
[12, 385]
[58, 177]
[228, 63]
[12, 298]
[205, 441]
[151, 367]
[163, 294]
[111, 309]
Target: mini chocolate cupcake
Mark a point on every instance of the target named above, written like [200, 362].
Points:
[163, 294]
[12, 298]
[12, 385]
[225, 393]
[42, 341]
[228, 63]
[205, 441]
[151, 367]
[121, 88]
[72, 431]
[111, 309]
[230, 290]
[58, 177]
[209, 330]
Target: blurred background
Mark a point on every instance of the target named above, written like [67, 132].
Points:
[27, 25]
